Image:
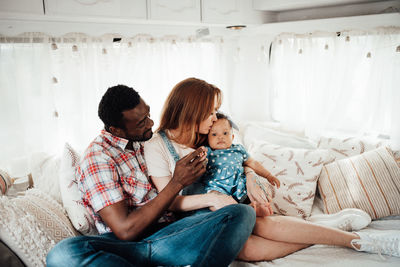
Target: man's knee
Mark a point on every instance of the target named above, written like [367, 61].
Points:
[244, 216]
[62, 254]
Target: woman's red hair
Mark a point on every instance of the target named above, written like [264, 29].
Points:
[189, 103]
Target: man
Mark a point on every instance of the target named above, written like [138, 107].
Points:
[132, 219]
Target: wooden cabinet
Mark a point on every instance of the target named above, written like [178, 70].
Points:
[232, 12]
[176, 10]
[228, 12]
[128, 9]
[22, 6]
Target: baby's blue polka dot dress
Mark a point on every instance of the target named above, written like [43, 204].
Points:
[225, 172]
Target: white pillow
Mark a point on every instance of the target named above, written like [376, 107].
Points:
[256, 132]
[71, 197]
[298, 171]
[32, 224]
[45, 169]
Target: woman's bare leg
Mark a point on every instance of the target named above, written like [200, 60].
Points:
[294, 230]
[260, 249]
[278, 236]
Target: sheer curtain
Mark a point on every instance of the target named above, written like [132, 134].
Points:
[340, 82]
[50, 87]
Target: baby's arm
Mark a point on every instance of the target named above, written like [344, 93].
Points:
[260, 170]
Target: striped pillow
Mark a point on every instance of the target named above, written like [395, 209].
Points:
[370, 181]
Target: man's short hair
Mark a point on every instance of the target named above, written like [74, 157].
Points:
[116, 100]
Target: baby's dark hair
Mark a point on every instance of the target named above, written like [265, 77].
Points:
[233, 125]
[222, 116]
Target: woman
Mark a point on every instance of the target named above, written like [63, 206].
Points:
[187, 117]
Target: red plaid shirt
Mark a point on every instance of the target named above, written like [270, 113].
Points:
[110, 173]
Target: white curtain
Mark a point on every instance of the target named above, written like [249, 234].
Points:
[346, 82]
[50, 87]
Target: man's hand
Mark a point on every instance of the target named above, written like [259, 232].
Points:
[131, 225]
[190, 167]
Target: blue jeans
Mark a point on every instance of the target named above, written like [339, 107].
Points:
[202, 239]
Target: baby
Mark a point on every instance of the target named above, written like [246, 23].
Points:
[226, 161]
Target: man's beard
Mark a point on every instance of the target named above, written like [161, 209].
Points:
[142, 138]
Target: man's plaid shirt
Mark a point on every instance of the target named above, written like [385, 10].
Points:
[110, 173]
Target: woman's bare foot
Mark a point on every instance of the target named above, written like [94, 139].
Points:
[262, 210]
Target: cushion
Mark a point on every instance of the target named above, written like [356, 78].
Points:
[340, 148]
[298, 171]
[32, 224]
[370, 181]
[71, 197]
[45, 170]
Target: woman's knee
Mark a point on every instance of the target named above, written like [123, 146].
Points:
[253, 250]
[268, 224]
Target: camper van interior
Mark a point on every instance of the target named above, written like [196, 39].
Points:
[313, 86]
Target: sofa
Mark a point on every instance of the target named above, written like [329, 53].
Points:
[318, 175]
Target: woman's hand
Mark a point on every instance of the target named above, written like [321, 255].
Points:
[219, 200]
[255, 192]
[257, 195]
[274, 181]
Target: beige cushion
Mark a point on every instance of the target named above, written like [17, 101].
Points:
[298, 171]
[32, 224]
[370, 181]
[71, 197]
[45, 170]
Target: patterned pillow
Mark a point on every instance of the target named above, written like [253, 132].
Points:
[71, 197]
[298, 171]
[348, 147]
[370, 181]
[31, 225]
